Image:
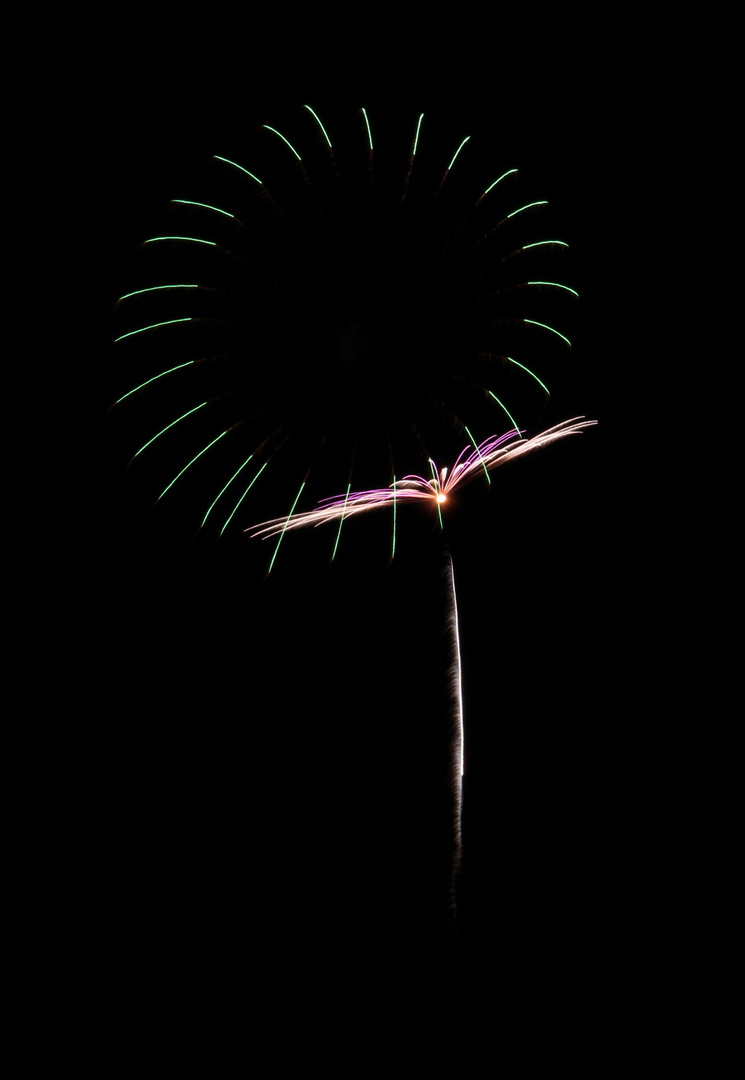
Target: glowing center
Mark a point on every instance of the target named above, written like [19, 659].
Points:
[441, 498]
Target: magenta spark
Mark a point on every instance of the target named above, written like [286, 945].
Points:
[470, 463]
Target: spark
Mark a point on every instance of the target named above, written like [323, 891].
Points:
[452, 162]
[317, 119]
[152, 326]
[204, 206]
[187, 239]
[369, 132]
[416, 137]
[235, 165]
[154, 288]
[497, 181]
[284, 140]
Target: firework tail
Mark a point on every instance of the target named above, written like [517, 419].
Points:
[456, 735]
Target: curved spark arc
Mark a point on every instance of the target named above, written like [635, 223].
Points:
[469, 464]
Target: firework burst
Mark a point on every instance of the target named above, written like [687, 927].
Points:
[323, 314]
[471, 463]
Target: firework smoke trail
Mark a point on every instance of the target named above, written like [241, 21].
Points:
[457, 738]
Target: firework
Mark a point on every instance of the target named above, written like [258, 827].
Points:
[470, 464]
[328, 314]
[334, 324]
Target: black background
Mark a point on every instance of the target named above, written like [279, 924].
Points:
[243, 826]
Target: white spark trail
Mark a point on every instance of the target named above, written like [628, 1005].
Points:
[457, 739]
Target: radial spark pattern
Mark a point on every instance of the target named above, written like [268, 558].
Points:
[325, 313]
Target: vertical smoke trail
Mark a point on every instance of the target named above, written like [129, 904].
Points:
[456, 734]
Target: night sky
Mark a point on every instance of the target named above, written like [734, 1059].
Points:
[246, 825]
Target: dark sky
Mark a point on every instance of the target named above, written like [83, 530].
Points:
[248, 830]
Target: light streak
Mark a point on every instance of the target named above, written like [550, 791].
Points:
[284, 140]
[416, 137]
[153, 379]
[190, 463]
[455, 670]
[281, 531]
[155, 288]
[235, 165]
[317, 119]
[369, 132]
[186, 239]
[152, 326]
[498, 181]
[169, 426]
[452, 161]
[457, 739]
[204, 206]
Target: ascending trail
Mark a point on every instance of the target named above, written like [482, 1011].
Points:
[457, 756]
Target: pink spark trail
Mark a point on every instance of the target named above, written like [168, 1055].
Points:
[471, 462]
